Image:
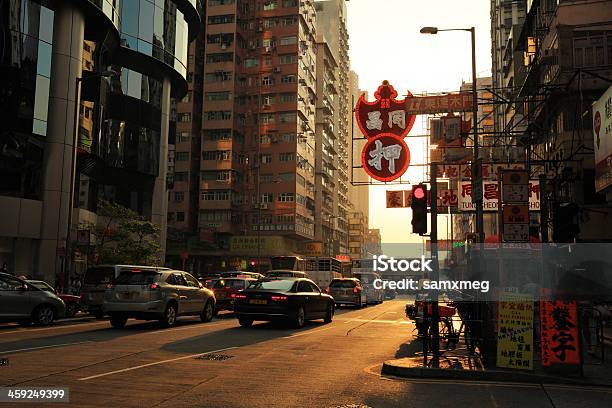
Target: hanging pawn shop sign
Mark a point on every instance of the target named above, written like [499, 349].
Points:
[385, 123]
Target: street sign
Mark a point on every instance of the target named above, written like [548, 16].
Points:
[516, 233]
[516, 214]
[457, 102]
[515, 186]
[395, 199]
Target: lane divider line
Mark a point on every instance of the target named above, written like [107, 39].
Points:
[91, 377]
[43, 347]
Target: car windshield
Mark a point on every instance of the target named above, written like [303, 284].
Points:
[342, 284]
[365, 278]
[99, 275]
[236, 284]
[280, 274]
[282, 285]
[136, 278]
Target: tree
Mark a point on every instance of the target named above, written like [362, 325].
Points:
[121, 236]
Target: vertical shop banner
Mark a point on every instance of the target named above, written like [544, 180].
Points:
[515, 331]
[559, 322]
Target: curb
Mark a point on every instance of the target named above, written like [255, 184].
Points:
[489, 375]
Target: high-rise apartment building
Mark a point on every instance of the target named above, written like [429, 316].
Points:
[331, 24]
[257, 145]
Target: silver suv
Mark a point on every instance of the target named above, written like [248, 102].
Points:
[157, 295]
[23, 302]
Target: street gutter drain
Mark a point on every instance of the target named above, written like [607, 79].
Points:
[214, 357]
[352, 406]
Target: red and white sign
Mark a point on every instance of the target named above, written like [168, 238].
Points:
[491, 196]
[385, 115]
[385, 157]
[559, 327]
[602, 132]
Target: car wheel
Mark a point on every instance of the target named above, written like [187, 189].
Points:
[329, 315]
[44, 315]
[118, 321]
[245, 322]
[169, 317]
[208, 313]
[71, 309]
[300, 318]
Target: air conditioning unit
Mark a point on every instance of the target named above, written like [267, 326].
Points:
[263, 206]
[224, 46]
[265, 106]
[276, 70]
[267, 49]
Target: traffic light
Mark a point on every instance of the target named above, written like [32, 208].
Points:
[419, 209]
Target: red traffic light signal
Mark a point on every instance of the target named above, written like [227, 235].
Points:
[419, 209]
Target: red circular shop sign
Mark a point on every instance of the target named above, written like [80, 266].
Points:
[385, 157]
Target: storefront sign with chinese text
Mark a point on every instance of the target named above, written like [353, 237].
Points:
[458, 102]
[385, 115]
[491, 196]
[515, 331]
[560, 342]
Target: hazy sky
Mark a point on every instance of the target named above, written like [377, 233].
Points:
[385, 43]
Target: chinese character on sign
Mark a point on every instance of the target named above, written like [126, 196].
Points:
[385, 157]
[389, 153]
[559, 333]
[397, 117]
[374, 121]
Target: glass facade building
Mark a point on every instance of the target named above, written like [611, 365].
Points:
[106, 70]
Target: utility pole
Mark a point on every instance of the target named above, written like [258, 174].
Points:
[435, 274]
[477, 165]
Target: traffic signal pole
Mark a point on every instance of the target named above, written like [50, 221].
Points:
[435, 274]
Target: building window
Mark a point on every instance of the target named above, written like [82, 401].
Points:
[267, 118]
[286, 176]
[270, 5]
[183, 137]
[290, 3]
[288, 59]
[217, 96]
[180, 216]
[266, 198]
[222, 19]
[179, 196]
[180, 176]
[268, 100]
[251, 62]
[181, 156]
[217, 155]
[217, 134]
[287, 97]
[266, 158]
[287, 117]
[215, 195]
[288, 40]
[218, 115]
[218, 76]
[267, 80]
[184, 117]
[188, 96]
[265, 178]
[220, 2]
[286, 157]
[286, 197]
[170, 216]
[288, 79]
[220, 57]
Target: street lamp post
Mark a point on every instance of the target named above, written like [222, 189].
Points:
[476, 145]
[75, 141]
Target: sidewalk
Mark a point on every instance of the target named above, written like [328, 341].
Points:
[457, 365]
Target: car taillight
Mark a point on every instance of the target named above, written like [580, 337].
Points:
[327, 290]
[238, 296]
[355, 289]
[109, 286]
[279, 298]
[153, 286]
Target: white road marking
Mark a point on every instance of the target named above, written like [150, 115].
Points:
[43, 347]
[153, 364]
[27, 330]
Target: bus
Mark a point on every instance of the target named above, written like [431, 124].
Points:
[293, 263]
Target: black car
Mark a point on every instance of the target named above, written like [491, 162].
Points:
[294, 300]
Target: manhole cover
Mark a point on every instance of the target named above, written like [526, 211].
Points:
[214, 357]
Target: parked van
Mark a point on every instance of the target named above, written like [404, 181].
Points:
[373, 295]
[96, 280]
